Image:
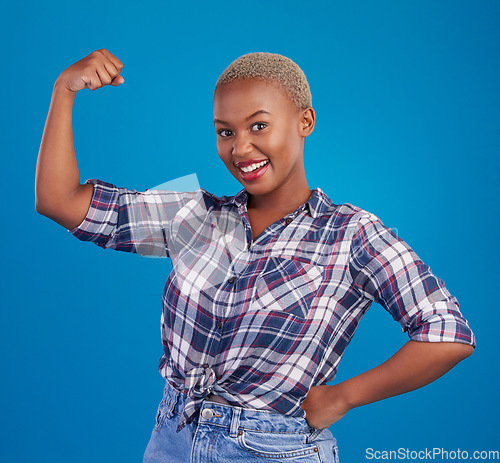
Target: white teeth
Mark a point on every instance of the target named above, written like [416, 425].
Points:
[253, 167]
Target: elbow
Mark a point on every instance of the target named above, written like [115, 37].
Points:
[51, 210]
[45, 208]
[50, 205]
[445, 352]
[457, 351]
[40, 206]
[465, 351]
[42, 201]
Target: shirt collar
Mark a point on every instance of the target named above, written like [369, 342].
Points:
[318, 203]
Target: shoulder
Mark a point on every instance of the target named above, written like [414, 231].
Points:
[339, 215]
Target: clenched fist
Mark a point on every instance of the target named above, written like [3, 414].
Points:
[96, 70]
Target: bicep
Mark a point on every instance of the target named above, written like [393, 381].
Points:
[71, 212]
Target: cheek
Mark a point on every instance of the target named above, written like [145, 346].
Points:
[224, 157]
[285, 139]
[280, 148]
[220, 149]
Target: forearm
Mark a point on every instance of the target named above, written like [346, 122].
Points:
[57, 169]
[58, 193]
[414, 365]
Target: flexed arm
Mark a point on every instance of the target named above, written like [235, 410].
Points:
[58, 192]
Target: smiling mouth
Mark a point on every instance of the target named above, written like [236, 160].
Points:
[254, 166]
[252, 169]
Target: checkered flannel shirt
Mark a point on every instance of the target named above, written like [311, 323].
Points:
[261, 322]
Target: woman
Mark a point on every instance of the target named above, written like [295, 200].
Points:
[267, 286]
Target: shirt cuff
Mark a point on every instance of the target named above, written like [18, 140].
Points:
[100, 218]
[441, 322]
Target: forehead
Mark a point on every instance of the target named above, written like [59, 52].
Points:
[242, 98]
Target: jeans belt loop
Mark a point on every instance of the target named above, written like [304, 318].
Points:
[235, 422]
[171, 399]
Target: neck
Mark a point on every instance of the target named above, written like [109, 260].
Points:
[283, 200]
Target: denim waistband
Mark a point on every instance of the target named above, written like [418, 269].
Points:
[236, 418]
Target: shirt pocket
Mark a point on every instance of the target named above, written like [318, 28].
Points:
[287, 285]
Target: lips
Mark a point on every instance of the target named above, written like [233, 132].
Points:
[249, 162]
[252, 169]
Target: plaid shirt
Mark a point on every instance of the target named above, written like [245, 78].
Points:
[259, 323]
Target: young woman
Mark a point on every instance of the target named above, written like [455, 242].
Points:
[267, 286]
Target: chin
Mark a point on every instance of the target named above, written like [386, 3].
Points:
[257, 190]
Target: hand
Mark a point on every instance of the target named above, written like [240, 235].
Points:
[323, 406]
[96, 70]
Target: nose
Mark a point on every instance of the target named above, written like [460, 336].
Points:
[241, 145]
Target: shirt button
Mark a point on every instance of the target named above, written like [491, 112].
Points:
[207, 413]
[288, 220]
[206, 365]
[219, 324]
[231, 280]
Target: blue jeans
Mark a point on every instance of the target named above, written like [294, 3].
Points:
[223, 433]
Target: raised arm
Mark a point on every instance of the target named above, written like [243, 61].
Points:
[58, 192]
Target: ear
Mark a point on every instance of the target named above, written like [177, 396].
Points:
[307, 119]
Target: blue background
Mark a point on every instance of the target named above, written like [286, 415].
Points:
[407, 99]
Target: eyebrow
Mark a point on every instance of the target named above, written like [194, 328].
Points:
[260, 111]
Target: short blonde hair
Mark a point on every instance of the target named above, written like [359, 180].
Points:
[270, 67]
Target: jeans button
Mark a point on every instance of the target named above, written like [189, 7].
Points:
[207, 413]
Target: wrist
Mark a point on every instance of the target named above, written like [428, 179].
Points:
[339, 398]
[61, 89]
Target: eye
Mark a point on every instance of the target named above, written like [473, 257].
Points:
[258, 126]
[224, 133]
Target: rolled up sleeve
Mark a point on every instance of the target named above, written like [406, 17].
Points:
[129, 220]
[386, 270]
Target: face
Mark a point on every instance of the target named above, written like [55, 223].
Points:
[260, 136]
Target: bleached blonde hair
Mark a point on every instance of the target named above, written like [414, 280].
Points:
[270, 67]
